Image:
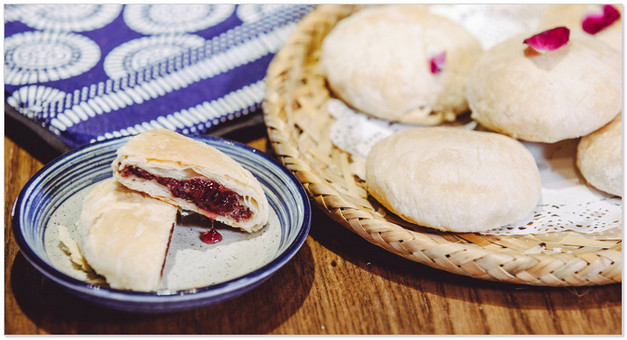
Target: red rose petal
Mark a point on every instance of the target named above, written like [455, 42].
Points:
[595, 23]
[549, 40]
[437, 63]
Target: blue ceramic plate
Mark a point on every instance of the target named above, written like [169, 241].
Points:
[71, 173]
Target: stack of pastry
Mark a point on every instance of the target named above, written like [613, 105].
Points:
[402, 63]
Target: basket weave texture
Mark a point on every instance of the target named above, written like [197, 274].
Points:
[298, 123]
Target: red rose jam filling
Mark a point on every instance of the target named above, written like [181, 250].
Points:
[206, 194]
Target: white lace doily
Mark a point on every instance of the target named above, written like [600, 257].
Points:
[567, 202]
[492, 24]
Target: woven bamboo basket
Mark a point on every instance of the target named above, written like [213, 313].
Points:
[298, 125]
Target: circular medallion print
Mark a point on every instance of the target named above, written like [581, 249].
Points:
[159, 19]
[70, 17]
[14, 12]
[249, 12]
[29, 100]
[37, 57]
[138, 53]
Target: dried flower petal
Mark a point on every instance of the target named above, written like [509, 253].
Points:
[437, 63]
[594, 23]
[549, 40]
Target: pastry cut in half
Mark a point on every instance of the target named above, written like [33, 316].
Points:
[124, 235]
[193, 176]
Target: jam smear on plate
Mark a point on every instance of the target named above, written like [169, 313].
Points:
[210, 237]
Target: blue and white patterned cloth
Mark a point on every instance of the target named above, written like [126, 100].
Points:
[90, 72]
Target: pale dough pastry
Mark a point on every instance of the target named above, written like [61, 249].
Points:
[454, 179]
[124, 235]
[600, 157]
[193, 176]
[572, 16]
[378, 61]
[561, 94]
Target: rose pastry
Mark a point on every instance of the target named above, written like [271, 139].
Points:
[547, 87]
[193, 176]
[454, 179]
[400, 63]
[124, 235]
[600, 157]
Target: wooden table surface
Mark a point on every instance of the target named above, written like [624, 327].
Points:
[337, 283]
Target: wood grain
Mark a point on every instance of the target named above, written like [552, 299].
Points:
[338, 283]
